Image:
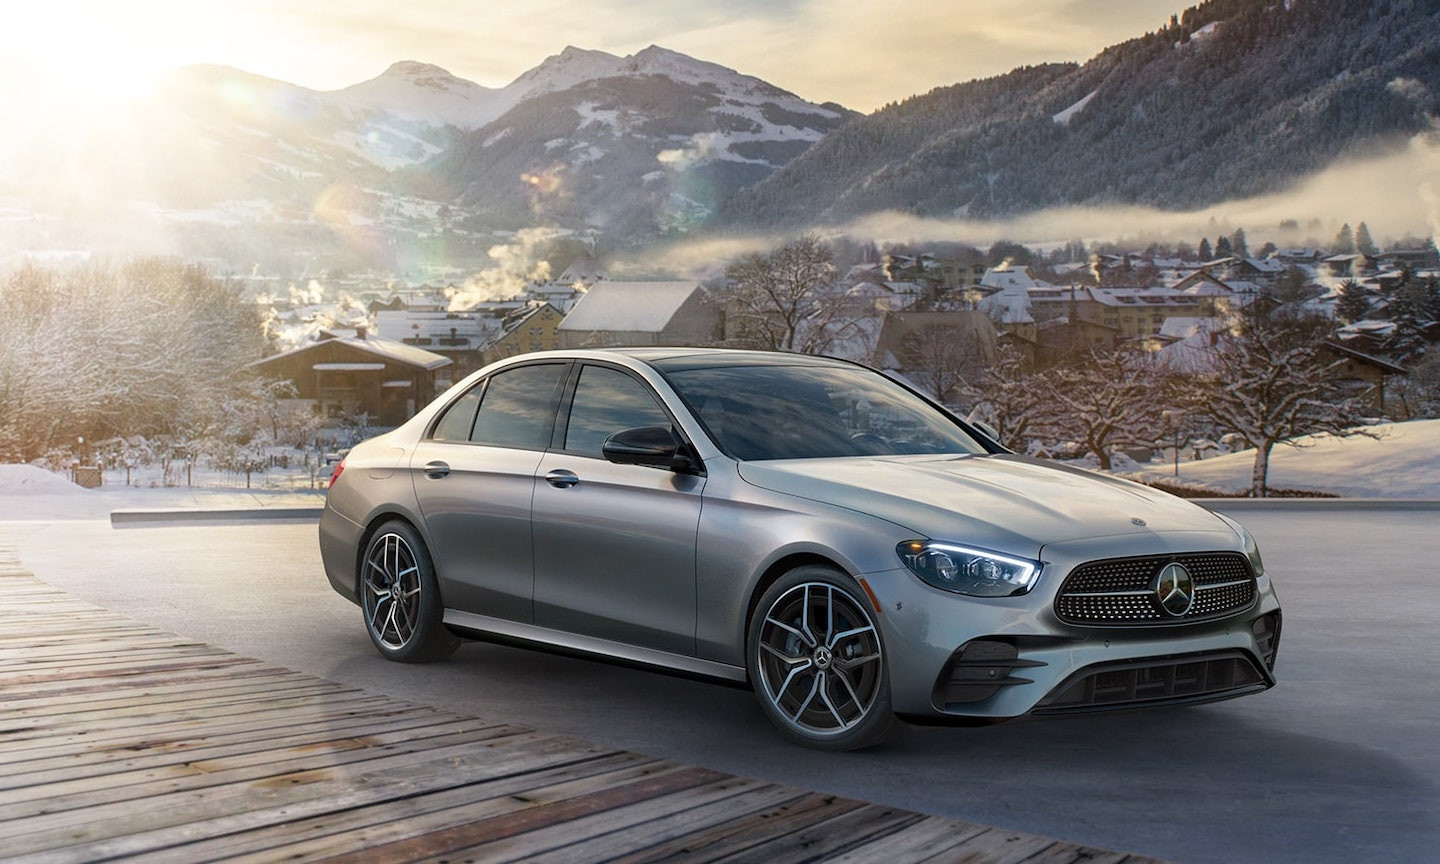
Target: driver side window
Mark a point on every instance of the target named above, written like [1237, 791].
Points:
[607, 401]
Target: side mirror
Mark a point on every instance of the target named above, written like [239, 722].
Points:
[651, 446]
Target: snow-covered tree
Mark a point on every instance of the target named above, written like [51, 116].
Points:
[1110, 401]
[1011, 397]
[1270, 382]
[143, 347]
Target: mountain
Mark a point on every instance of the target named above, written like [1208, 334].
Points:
[1234, 99]
[641, 145]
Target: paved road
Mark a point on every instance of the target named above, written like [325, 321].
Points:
[1337, 764]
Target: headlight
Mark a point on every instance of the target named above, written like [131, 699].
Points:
[968, 571]
[1252, 551]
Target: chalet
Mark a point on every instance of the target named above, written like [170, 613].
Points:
[349, 376]
[633, 314]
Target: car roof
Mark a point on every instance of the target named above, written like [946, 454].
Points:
[693, 358]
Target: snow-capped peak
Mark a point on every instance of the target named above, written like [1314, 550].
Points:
[424, 92]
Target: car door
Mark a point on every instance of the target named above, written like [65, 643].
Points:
[474, 478]
[614, 544]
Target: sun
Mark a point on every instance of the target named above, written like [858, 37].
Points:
[64, 56]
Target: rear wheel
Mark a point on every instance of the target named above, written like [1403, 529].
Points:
[400, 597]
[817, 662]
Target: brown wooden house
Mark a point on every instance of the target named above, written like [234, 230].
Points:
[360, 374]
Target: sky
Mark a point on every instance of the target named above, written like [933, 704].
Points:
[859, 53]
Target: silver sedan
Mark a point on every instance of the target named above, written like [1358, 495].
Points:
[811, 527]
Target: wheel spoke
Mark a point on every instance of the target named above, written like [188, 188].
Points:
[804, 637]
[848, 663]
[835, 640]
[835, 712]
[787, 659]
[809, 697]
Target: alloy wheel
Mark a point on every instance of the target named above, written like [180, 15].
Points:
[819, 663]
[392, 589]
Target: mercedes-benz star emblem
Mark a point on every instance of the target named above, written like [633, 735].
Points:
[1175, 588]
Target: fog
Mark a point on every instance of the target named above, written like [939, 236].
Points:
[1397, 196]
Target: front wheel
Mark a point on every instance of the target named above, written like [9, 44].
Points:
[817, 662]
[400, 597]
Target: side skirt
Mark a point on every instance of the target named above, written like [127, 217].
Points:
[530, 636]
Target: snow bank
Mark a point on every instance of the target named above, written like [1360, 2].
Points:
[30, 480]
[1403, 461]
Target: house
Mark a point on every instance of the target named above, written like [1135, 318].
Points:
[937, 350]
[634, 314]
[460, 336]
[534, 328]
[347, 376]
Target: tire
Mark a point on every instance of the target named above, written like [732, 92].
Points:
[400, 597]
[817, 662]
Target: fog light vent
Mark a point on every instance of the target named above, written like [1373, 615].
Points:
[978, 670]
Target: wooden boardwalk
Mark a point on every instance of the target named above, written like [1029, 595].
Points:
[118, 741]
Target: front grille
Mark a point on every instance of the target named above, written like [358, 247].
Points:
[1156, 681]
[1120, 592]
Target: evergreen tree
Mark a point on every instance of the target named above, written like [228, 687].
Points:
[1222, 247]
[1406, 342]
[1237, 244]
[1206, 254]
[1344, 241]
[1354, 302]
[1363, 242]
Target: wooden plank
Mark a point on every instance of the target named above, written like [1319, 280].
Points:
[645, 822]
[365, 827]
[740, 835]
[450, 840]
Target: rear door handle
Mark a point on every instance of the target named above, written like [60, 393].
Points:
[437, 470]
[562, 479]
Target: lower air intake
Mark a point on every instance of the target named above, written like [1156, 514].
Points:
[1156, 681]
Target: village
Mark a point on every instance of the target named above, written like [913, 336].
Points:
[388, 349]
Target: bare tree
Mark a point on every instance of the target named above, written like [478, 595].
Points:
[1270, 383]
[787, 300]
[942, 359]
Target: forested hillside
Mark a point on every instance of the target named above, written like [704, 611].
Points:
[1234, 98]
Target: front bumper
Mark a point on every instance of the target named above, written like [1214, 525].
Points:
[963, 659]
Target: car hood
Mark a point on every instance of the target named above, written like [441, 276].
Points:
[1004, 502]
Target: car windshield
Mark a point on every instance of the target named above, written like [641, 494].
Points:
[790, 411]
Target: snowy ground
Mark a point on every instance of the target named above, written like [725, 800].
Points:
[1403, 462]
[29, 492]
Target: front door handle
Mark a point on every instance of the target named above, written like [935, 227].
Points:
[437, 470]
[562, 479]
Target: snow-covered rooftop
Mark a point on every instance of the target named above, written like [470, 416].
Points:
[629, 307]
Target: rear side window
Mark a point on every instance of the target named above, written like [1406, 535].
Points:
[518, 408]
[459, 417]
